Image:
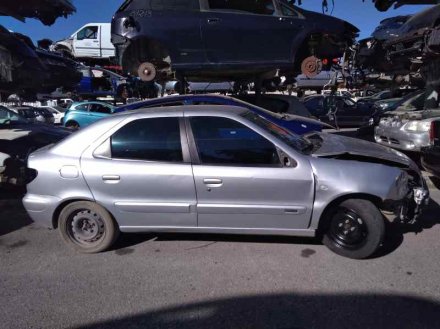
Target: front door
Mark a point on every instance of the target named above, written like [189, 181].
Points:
[240, 181]
[142, 176]
[87, 42]
[244, 30]
[350, 115]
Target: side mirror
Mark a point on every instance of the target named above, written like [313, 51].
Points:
[286, 160]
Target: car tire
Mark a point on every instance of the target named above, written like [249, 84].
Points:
[355, 229]
[87, 227]
[72, 125]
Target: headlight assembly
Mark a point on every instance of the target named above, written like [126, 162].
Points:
[417, 126]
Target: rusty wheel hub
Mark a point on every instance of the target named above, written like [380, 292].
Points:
[311, 67]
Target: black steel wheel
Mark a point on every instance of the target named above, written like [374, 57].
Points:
[87, 227]
[355, 229]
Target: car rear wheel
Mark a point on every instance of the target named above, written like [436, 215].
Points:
[88, 227]
[72, 125]
[355, 229]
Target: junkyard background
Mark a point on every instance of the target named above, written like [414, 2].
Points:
[185, 280]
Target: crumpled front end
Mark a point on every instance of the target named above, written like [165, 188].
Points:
[408, 196]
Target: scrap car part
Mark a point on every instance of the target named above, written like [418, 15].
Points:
[311, 67]
[147, 71]
[47, 11]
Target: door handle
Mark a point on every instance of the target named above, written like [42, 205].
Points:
[213, 182]
[111, 179]
[214, 20]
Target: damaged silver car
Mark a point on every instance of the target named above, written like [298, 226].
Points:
[219, 169]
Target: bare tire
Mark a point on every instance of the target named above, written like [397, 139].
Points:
[87, 227]
[354, 229]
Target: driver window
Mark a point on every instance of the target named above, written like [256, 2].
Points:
[222, 141]
[89, 32]
[259, 7]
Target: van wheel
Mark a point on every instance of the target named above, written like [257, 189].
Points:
[355, 229]
[87, 227]
[72, 125]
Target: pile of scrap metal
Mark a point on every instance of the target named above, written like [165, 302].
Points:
[384, 5]
[402, 44]
[47, 11]
[26, 70]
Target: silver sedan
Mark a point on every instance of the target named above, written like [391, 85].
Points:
[219, 169]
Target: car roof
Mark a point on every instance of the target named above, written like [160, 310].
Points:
[205, 109]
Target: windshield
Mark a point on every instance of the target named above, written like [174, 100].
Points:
[297, 142]
[381, 95]
[7, 117]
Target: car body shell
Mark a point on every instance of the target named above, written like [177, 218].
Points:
[347, 114]
[21, 137]
[81, 114]
[205, 43]
[178, 197]
[57, 112]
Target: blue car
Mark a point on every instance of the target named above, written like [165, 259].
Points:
[80, 115]
[297, 124]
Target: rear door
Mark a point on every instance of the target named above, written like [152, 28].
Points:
[142, 174]
[241, 182]
[244, 30]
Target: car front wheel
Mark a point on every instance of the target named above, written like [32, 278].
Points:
[355, 229]
[87, 227]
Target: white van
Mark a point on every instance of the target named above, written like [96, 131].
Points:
[93, 40]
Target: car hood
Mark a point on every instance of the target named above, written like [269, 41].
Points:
[27, 129]
[335, 146]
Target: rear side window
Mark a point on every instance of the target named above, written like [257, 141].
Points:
[83, 107]
[224, 141]
[98, 108]
[260, 7]
[156, 139]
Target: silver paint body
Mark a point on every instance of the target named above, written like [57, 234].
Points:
[391, 133]
[186, 197]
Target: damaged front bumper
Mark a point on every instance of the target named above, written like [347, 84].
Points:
[409, 209]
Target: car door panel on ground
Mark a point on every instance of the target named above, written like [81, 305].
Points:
[144, 175]
[240, 181]
[249, 27]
